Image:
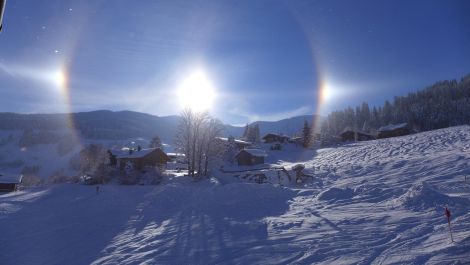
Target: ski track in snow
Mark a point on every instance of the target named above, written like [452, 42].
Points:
[376, 202]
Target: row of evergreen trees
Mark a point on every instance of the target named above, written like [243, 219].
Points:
[444, 104]
[252, 133]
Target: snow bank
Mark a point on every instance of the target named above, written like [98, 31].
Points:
[422, 196]
[336, 194]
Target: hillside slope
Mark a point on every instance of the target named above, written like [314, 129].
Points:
[377, 202]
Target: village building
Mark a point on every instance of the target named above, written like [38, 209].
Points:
[273, 137]
[349, 135]
[240, 144]
[393, 130]
[140, 158]
[10, 182]
[250, 157]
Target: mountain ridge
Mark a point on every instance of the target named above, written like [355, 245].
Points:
[125, 124]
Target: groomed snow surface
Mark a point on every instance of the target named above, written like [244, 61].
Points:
[376, 202]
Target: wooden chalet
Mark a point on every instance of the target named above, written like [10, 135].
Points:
[349, 135]
[10, 182]
[250, 157]
[273, 137]
[393, 130]
[140, 158]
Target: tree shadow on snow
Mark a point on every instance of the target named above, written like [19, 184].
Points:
[199, 224]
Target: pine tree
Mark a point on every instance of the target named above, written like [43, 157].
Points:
[245, 132]
[306, 135]
[156, 142]
[253, 133]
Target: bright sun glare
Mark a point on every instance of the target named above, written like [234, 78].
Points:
[325, 93]
[196, 92]
[58, 78]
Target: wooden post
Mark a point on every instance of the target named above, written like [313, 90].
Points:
[450, 231]
[448, 214]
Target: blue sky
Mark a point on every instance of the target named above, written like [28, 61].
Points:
[266, 60]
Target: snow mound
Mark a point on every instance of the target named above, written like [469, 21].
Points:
[335, 194]
[422, 196]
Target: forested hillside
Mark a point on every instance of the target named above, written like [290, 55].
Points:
[444, 104]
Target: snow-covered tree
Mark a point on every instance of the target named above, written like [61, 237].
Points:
[446, 103]
[230, 150]
[252, 133]
[94, 161]
[156, 142]
[306, 135]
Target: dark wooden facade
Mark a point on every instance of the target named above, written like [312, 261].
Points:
[272, 137]
[245, 158]
[6, 187]
[394, 131]
[156, 157]
[10, 183]
[350, 135]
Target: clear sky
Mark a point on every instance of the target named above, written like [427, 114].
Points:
[263, 59]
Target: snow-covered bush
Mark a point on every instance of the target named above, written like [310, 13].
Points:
[129, 176]
[151, 176]
[31, 181]
[94, 161]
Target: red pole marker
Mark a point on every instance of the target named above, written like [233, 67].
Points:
[448, 214]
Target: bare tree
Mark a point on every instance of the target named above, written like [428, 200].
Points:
[189, 136]
[183, 137]
[194, 138]
[212, 149]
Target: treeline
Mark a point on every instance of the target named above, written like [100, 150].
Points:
[444, 104]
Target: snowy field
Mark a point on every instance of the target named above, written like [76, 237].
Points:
[377, 202]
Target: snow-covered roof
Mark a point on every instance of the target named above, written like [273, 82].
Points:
[348, 129]
[124, 153]
[175, 154]
[16, 179]
[237, 141]
[392, 127]
[255, 152]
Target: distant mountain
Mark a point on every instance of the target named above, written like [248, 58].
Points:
[105, 124]
[289, 126]
[100, 124]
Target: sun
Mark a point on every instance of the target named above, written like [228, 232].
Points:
[196, 92]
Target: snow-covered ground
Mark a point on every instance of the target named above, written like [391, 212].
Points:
[377, 202]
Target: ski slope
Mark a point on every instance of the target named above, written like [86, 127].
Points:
[377, 202]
